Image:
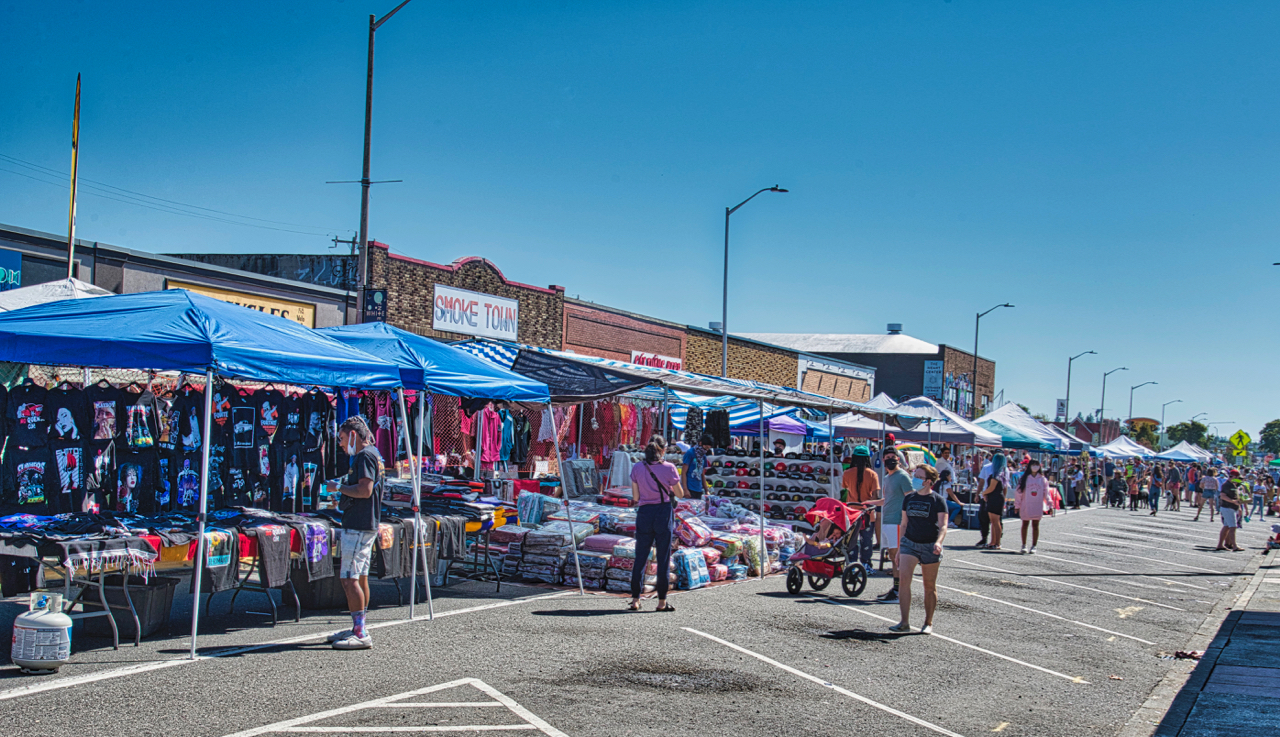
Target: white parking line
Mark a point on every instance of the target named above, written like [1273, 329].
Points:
[132, 670]
[1147, 532]
[976, 595]
[1072, 585]
[1146, 558]
[299, 724]
[1073, 679]
[826, 684]
[1140, 545]
[1127, 573]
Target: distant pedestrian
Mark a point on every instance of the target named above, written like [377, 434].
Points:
[1030, 499]
[1173, 480]
[994, 496]
[655, 486]
[1229, 505]
[860, 486]
[1208, 496]
[1155, 489]
[925, 514]
[1260, 488]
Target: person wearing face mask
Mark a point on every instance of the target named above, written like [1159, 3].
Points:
[897, 484]
[361, 505]
[925, 513]
[1030, 499]
[993, 498]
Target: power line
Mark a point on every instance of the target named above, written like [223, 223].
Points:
[159, 204]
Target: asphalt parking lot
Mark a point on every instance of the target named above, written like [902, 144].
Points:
[1069, 641]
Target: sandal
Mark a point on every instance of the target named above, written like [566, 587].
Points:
[665, 608]
[633, 606]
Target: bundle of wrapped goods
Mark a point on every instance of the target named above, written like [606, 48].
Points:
[617, 574]
[543, 573]
[602, 543]
[593, 566]
[729, 545]
[509, 534]
[737, 572]
[626, 548]
[571, 536]
[720, 524]
[623, 587]
[711, 554]
[756, 557]
[691, 506]
[627, 564]
[547, 557]
[691, 530]
[587, 583]
[718, 572]
[730, 510]
[581, 518]
[533, 509]
[619, 522]
[691, 569]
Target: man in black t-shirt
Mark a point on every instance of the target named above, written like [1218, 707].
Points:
[361, 512]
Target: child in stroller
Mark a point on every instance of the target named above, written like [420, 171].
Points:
[831, 551]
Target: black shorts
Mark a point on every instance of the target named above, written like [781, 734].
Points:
[995, 503]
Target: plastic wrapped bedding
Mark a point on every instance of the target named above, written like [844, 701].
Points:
[730, 546]
[624, 587]
[627, 564]
[533, 508]
[737, 572]
[602, 543]
[547, 560]
[691, 569]
[625, 549]
[754, 554]
[509, 534]
[711, 554]
[692, 531]
[587, 583]
[718, 572]
[617, 574]
[583, 517]
[579, 533]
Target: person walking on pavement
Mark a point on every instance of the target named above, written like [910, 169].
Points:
[1030, 499]
[980, 499]
[1229, 505]
[860, 486]
[925, 513]
[1156, 489]
[1260, 487]
[655, 486]
[897, 484]
[993, 498]
[1173, 480]
[361, 504]
[1210, 484]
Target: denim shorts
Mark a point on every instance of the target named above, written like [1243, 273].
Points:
[922, 552]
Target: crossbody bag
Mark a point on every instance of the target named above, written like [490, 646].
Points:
[670, 497]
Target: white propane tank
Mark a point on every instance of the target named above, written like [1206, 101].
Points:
[42, 636]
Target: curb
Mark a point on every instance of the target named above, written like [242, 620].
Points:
[1166, 710]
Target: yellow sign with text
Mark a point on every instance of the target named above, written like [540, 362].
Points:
[299, 312]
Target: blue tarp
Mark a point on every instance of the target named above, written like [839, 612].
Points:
[177, 330]
[439, 368]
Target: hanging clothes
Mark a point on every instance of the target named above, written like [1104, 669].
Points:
[718, 427]
[25, 416]
[544, 430]
[491, 439]
[520, 439]
[693, 426]
[508, 435]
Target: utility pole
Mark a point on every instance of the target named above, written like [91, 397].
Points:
[75, 161]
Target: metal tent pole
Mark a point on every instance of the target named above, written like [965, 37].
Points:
[831, 453]
[564, 489]
[415, 478]
[202, 508]
[764, 551]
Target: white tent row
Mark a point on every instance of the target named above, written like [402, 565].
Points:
[1185, 451]
[944, 426]
[1125, 447]
[1015, 418]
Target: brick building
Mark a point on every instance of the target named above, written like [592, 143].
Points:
[905, 366]
[414, 302]
[605, 332]
[757, 360]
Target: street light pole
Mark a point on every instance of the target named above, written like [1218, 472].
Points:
[1162, 408]
[362, 264]
[977, 322]
[1066, 414]
[724, 307]
[1102, 410]
[1139, 386]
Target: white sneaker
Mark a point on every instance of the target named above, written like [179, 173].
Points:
[900, 627]
[927, 629]
[354, 643]
[1032, 551]
[1024, 549]
[336, 636]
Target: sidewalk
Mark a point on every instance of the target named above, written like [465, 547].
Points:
[1235, 688]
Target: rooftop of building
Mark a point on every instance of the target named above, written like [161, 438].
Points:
[888, 343]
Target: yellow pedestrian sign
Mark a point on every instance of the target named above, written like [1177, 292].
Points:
[1240, 440]
[1239, 452]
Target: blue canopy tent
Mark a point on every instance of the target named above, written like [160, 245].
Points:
[436, 368]
[177, 330]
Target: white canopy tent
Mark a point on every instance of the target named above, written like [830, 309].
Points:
[1185, 451]
[944, 426]
[1125, 447]
[1014, 417]
[882, 401]
[54, 291]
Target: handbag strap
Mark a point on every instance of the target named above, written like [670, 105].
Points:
[654, 476]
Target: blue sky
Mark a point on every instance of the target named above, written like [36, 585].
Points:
[1110, 168]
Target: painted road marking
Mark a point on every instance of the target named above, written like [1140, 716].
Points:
[1127, 573]
[1146, 558]
[529, 722]
[1146, 532]
[1073, 679]
[1072, 585]
[826, 684]
[1139, 545]
[132, 670]
[976, 595]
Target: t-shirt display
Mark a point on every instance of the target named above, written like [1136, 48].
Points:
[68, 413]
[104, 405]
[25, 416]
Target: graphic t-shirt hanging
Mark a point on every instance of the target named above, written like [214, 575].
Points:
[104, 404]
[29, 477]
[28, 424]
[140, 419]
[68, 414]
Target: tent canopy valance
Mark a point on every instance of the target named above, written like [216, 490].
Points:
[177, 330]
[439, 368]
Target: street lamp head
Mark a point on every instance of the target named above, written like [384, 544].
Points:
[1006, 304]
[776, 188]
[1091, 353]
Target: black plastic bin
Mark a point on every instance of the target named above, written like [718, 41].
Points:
[152, 600]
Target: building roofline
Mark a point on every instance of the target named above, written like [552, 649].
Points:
[800, 354]
[625, 313]
[459, 263]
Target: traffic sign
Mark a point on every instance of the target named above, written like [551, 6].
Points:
[1240, 452]
[1240, 440]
